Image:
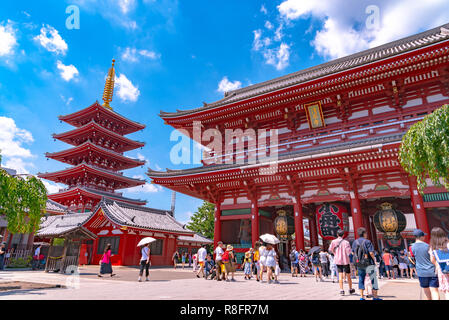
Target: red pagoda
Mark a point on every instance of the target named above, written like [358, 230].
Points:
[97, 156]
[340, 126]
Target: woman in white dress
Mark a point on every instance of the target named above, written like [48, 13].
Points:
[270, 261]
[261, 261]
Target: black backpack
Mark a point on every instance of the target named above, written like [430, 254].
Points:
[361, 255]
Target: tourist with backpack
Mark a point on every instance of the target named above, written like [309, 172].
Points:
[294, 261]
[425, 269]
[315, 259]
[365, 262]
[439, 255]
[341, 248]
[219, 261]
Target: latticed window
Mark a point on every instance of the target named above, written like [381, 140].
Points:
[103, 241]
[156, 247]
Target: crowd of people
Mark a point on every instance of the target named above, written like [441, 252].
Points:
[342, 262]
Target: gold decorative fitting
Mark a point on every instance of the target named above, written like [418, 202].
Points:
[109, 86]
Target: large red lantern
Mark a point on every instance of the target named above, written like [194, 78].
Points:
[330, 218]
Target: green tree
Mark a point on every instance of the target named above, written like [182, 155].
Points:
[424, 151]
[22, 201]
[202, 221]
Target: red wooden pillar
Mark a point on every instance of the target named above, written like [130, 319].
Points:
[299, 228]
[313, 231]
[367, 226]
[418, 208]
[217, 224]
[254, 222]
[374, 234]
[356, 212]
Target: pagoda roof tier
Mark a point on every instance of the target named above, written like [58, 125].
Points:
[82, 171]
[98, 113]
[304, 156]
[71, 155]
[233, 100]
[94, 132]
[69, 194]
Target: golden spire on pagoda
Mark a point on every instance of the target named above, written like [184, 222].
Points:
[109, 86]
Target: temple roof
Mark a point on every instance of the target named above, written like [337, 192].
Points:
[61, 225]
[94, 109]
[120, 213]
[96, 194]
[93, 170]
[88, 145]
[54, 207]
[362, 58]
[141, 217]
[309, 153]
[196, 238]
[91, 127]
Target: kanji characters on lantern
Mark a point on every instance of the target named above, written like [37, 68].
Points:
[332, 217]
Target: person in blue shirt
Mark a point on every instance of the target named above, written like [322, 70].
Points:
[294, 261]
[425, 269]
[370, 269]
[210, 267]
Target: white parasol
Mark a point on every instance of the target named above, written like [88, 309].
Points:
[145, 241]
[269, 238]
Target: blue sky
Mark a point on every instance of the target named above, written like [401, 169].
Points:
[169, 55]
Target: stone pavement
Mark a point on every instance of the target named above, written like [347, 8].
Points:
[182, 284]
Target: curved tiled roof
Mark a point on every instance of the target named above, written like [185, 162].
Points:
[141, 217]
[196, 238]
[55, 207]
[394, 48]
[63, 224]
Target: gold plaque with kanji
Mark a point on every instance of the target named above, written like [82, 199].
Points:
[314, 114]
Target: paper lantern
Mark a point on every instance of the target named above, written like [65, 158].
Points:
[281, 225]
[390, 221]
[332, 217]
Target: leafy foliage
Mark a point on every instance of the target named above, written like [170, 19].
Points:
[202, 221]
[22, 201]
[425, 149]
[20, 262]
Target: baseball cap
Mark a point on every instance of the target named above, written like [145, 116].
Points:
[418, 233]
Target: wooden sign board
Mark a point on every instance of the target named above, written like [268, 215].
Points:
[314, 114]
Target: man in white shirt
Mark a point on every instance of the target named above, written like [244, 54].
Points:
[202, 253]
[218, 260]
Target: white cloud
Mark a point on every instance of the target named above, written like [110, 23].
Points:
[268, 25]
[141, 157]
[146, 188]
[51, 186]
[126, 90]
[67, 72]
[126, 5]
[50, 39]
[344, 23]
[263, 9]
[66, 100]
[7, 39]
[12, 138]
[276, 56]
[132, 54]
[225, 85]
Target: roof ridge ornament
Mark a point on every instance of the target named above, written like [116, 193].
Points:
[109, 86]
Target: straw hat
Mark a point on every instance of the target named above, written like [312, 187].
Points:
[247, 254]
[229, 247]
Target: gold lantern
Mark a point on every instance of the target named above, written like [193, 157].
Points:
[281, 225]
[390, 221]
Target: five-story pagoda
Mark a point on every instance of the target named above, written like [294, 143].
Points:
[97, 156]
